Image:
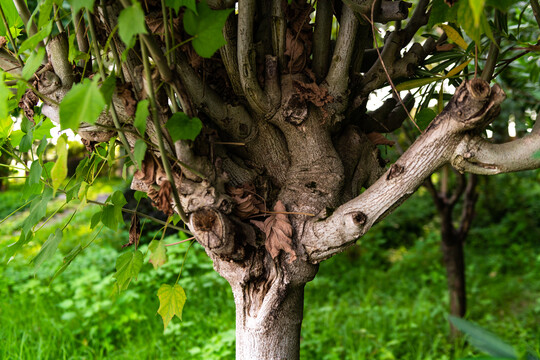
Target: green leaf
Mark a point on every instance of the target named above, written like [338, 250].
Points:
[6, 125]
[38, 209]
[35, 173]
[139, 195]
[109, 218]
[206, 26]
[128, 266]
[411, 84]
[26, 142]
[130, 23]
[181, 127]
[158, 253]
[32, 63]
[536, 155]
[139, 151]
[48, 249]
[59, 170]
[171, 302]
[107, 88]
[43, 129]
[96, 218]
[83, 103]
[477, 7]
[12, 17]
[33, 41]
[502, 5]
[483, 339]
[177, 4]
[45, 8]
[42, 146]
[74, 54]
[24, 239]
[5, 94]
[441, 12]
[68, 259]
[77, 5]
[140, 116]
[454, 36]
[424, 117]
[118, 199]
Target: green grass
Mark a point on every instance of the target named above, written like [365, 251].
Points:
[383, 299]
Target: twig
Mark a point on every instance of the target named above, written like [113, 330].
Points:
[103, 75]
[370, 20]
[159, 135]
[180, 242]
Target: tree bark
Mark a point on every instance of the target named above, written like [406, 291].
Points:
[276, 338]
[453, 257]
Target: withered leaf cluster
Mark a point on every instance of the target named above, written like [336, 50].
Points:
[278, 231]
[298, 39]
[248, 203]
[150, 174]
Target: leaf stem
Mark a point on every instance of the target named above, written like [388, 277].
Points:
[183, 262]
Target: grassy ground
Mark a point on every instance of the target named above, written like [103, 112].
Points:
[383, 299]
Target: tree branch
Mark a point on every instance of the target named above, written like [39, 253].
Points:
[255, 96]
[279, 30]
[536, 10]
[229, 56]
[478, 156]
[338, 74]
[472, 104]
[321, 38]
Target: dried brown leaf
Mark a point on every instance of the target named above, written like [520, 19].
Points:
[134, 232]
[247, 201]
[378, 139]
[125, 93]
[163, 199]
[27, 103]
[147, 173]
[3, 41]
[278, 231]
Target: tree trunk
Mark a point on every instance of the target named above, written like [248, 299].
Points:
[452, 248]
[277, 336]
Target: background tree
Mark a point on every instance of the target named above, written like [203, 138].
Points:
[264, 148]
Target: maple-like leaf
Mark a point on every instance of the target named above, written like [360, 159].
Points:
[278, 231]
[171, 302]
[158, 253]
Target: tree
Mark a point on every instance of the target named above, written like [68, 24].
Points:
[286, 171]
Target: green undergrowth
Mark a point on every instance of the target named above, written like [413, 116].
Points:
[384, 298]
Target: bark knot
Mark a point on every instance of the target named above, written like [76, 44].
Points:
[204, 219]
[395, 171]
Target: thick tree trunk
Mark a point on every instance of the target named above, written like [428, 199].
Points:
[278, 337]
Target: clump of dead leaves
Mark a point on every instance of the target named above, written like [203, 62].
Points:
[276, 227]
[151, 173]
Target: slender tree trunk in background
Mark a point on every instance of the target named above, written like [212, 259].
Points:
[453, 240]
[454, 261]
